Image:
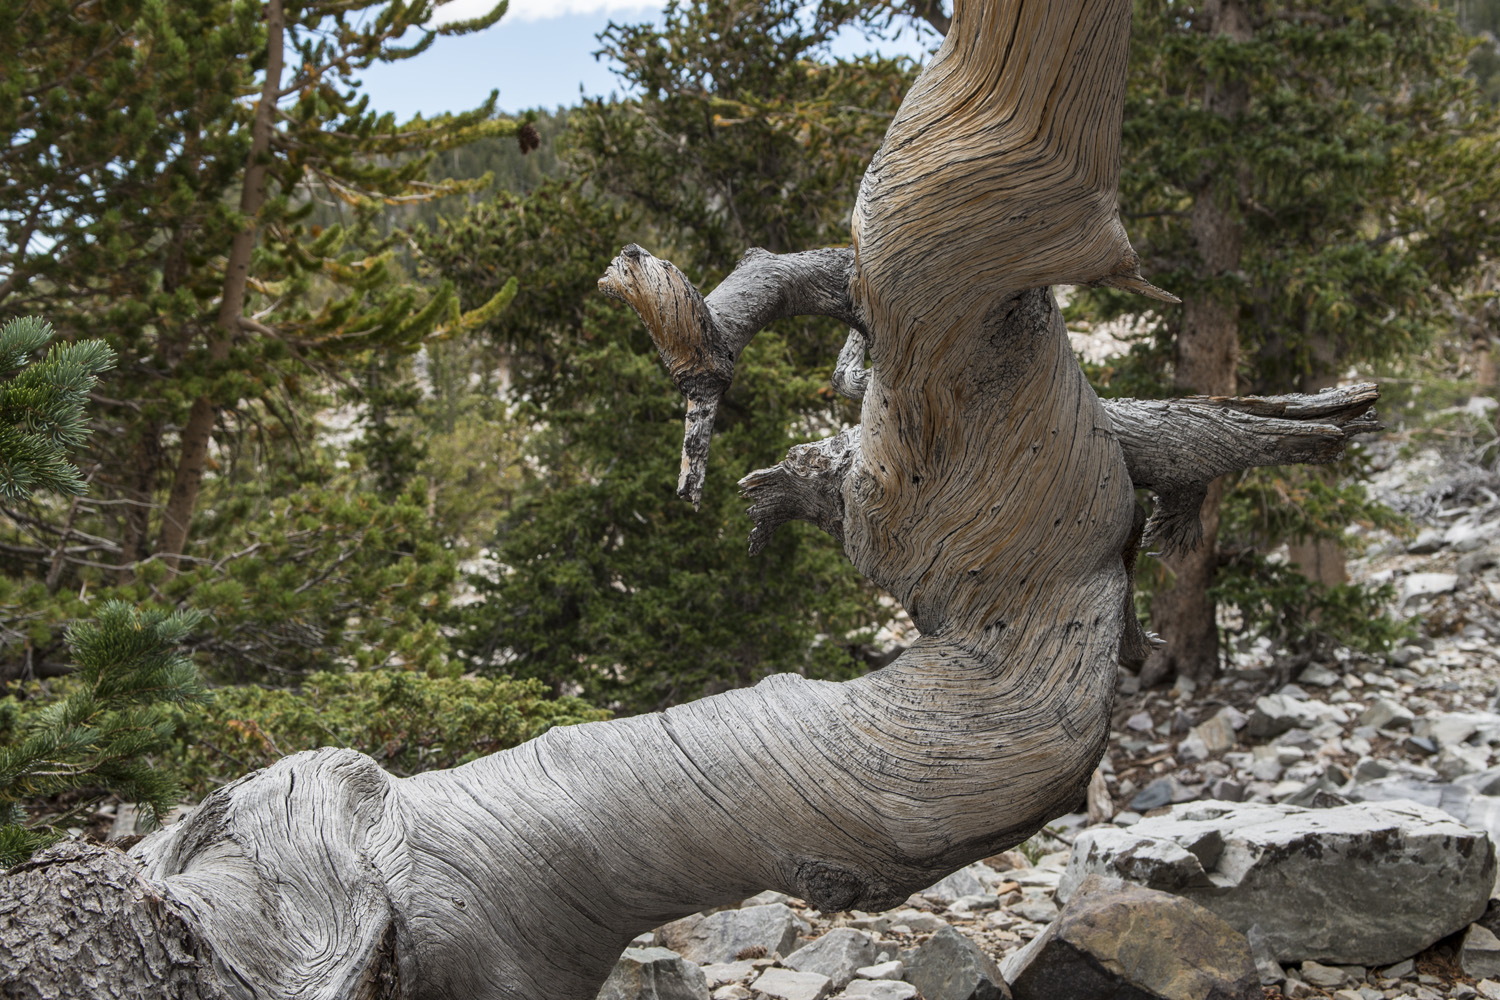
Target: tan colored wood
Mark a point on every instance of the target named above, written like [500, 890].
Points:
[986, 488]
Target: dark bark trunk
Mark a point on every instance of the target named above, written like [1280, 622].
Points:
[1321, 560]
[138, 489]
[197, 433]
[1207, 355]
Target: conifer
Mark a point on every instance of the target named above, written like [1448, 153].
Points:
[127, 665]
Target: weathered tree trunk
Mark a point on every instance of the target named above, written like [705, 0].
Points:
[986, 487]
[197, 433]
[1207, 354]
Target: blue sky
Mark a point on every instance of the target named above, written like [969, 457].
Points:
[538, 56]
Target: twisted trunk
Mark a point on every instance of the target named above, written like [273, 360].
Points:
[985, 487]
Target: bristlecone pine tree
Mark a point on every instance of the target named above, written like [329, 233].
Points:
[986, 487]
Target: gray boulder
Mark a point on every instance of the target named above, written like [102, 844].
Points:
[786, 984]
[964, 882]
[839, 954]
[1317, 882]
[654, 974]
[1480, 956]
[951, 967]
[1116, 939]
[726, 935]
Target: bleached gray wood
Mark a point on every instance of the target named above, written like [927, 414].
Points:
[850, 376]
[700, 339]
[1176, 447]
[986, 489]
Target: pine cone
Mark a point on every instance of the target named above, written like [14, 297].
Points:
[529, 138]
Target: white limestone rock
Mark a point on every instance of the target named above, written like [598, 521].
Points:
[723, 936]
[786, 984]
[879, 989]
[913, 920]
[964, 882]
[839, 955]
[1317, 882]
[1451, 729]
[1427, 585]
[654, 974]
[894, 969]
[1387, 713]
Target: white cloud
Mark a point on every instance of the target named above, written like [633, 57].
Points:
[541, 10]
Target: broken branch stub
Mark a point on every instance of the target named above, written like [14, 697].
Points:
[1177, 447]
[700, 339]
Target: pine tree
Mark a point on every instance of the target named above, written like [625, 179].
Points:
[202, 185]
[163, 165]
[1311, 183]
[100, 737]
[127, 669]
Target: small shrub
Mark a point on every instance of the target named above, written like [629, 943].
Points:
[118, 710]
[407, 721]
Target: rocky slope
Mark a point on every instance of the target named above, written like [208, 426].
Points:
[1365, 784]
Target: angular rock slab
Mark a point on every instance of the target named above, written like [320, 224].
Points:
[839, 955]
[879, 989]
[1364, 884]
[786, 984]
[964, 882]
[948, 966]
[723, 936]
[654, 974]
[1480, 955]
[1116, 939]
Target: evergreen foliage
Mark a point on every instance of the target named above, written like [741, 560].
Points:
[41, 407]
[407, 721]
[604, 582]
[128, 668]
[1362, 174]
[101, 735]
[133, 130]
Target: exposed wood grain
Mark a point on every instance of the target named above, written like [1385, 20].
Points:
[700, 339]
[1177, 447]
[986, 488]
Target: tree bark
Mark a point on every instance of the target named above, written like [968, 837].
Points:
[1321, 560]
[1207, 355]
[197, 433]
[986, 488]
